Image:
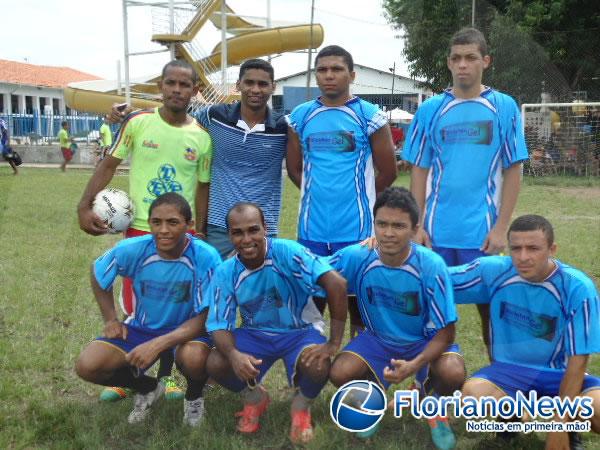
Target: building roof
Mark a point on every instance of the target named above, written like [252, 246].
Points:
[34, 75]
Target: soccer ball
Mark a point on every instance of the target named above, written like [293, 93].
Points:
[115, 208]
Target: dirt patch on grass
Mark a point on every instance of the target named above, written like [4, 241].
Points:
[580, 192]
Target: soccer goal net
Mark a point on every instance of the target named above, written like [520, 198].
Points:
[562, 138]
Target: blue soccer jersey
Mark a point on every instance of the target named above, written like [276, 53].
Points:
[465, 144]
[400, 305]
[537, 325]
[338, 181]
[168, 291]
[276, 297]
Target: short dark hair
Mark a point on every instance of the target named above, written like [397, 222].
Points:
[241, 207]
[63, 123]
[172, 198]
[532, 222]
[184, 65]
[336, 50]
[400, 198]
[468, 36]
[259, 64]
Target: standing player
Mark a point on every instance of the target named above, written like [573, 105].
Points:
[249, 146]
[405, 298]
[249, 142]
[170, 271]
[544, 317]
[106, 137]
[65, 141]
[169, 152]
[466, 146]
[272, 282]
[5, 146]
[340, 154]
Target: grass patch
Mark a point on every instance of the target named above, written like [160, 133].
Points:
[48, 314]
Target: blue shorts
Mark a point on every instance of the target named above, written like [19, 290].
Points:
[138, 336]
[269, 347]
[511, 378]
[376, 354]
[325, 248]
[458, 256]
[218, 237]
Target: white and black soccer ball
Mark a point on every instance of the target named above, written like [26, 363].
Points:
[115, 208]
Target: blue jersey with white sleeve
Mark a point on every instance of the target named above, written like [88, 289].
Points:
[537, 325]
[338, 180]
[168, 291]
[276, 297]
[400, 305]
[465, 144]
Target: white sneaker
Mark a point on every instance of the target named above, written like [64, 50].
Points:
[193, 411]
[143, 402]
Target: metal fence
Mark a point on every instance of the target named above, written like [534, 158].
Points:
[39, 127]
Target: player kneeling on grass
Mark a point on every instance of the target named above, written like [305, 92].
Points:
[545, 322]
[272, 282]
[405, 298]
[170, 270]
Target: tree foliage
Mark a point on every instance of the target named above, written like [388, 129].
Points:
[534, 44]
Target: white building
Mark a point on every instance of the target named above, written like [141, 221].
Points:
[380, 87]
[28, 88]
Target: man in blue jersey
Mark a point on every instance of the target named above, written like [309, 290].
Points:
[340, 154]
[466, 146]
[249, 143]
[544, 318]
[170, 271]
[272, 282]
[405, 298]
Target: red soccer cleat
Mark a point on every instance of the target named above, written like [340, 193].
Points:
[301, 431]
[248, 417]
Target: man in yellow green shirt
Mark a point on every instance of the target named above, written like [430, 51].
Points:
[65, 141]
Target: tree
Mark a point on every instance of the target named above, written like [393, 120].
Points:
[534, 43]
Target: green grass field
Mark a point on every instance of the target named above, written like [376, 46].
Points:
[48, 314]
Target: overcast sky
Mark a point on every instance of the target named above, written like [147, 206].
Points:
[88, 35]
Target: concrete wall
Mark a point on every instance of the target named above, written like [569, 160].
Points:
[51, 154]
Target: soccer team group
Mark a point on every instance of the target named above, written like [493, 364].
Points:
[405, 257]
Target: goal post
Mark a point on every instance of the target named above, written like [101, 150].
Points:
[562, 138]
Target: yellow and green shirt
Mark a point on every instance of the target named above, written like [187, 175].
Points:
[63, 138]
[163, 159]
[106, 135]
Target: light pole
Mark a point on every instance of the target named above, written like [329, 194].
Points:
[393, 70]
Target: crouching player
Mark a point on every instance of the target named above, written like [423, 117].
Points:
[405, 298]
[170, 271]
[272, 282]
[544, 322]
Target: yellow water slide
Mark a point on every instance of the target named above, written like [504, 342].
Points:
[249, 41]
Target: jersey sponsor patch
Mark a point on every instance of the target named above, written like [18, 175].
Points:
[332, 141]
[541, 326]
[164, 182]
[476, 133]
[263, 309]
[171, 292]
[402, 302]
[190, 154]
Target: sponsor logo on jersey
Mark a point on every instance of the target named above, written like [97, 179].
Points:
[149, 144]
[190, 154]
[404, 303]
[476, 133]
[332, 141]
[538, 325]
